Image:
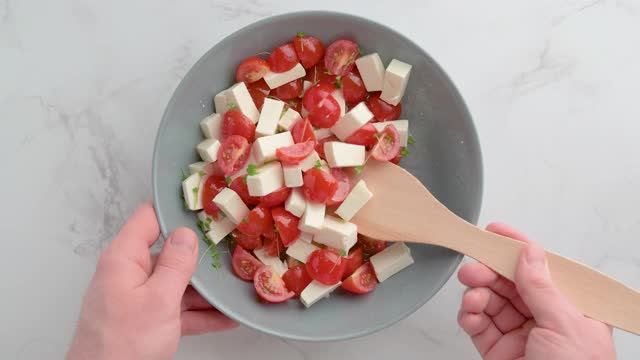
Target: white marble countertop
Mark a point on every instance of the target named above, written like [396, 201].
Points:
[553, 87]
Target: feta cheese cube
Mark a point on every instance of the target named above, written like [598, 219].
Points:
[269, 117]
[231, 204]
[341, 154]
[278, 265]
[305, 85]
[401, 125]
[268, 179]
[322, 133]
[395, 82]
[391, 260]
[301, 250]
[356, 199]
[371, 71]
[292, 175]
[211, 126]
[357, 117]
[309, 162]
[192, 191]
[208, 150]
[216, 229]
[220, 102]
[197, 167]
[306, 237]
[340, 99]
[296, 203]
[238, 95]
[275, 80]
[264, 148]
[337, 233]
[313, 217]
[324, 166]
[316, 291]
[288, 119]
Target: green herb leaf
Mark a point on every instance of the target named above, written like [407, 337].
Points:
[223, 214]
[411, 140]
[338, 82]
[244, 179]
[228, 180]
[300, 33]
[318, 164]
[405, 152]
[358, 169]
[201, 173]
[209, 220]
[185, 175]
[245, 219]
[252, 169]
[195, 197]
[343, 253]
[231, 106]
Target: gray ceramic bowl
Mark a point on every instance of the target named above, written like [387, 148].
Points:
[445, 157]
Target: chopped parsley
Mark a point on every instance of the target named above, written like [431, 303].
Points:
[228, 180]
[411, 140]
[358, 169]
[318, 164]
[252, 169]
[343, 253]
[300, 33]
[195, 196]
[245, 219]
[201, 173]
[338, 82]
[405, 152]
[231, 106]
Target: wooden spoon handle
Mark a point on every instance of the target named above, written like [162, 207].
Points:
[595, 294]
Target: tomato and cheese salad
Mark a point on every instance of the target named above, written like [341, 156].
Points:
[280, 154]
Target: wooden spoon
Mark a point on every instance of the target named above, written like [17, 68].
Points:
[402, 209]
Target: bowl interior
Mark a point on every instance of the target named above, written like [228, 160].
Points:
[445, 157]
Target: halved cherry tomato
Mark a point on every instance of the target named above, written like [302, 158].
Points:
[381, 110]
[319, 186]
[371, 246]
[296, 278]
[388, 145]
[287, 225]
[212, 186]
[366, 136]
[315, 94]
[233, 154]
[354, 261]
[251, 70]
[353, 87]
[234, 122]
[247, 242]
[288, 91]
[326, 113]
[320, 74]
[273, 245]
[325, 266]
[244, 264]
[320, 146]
[259, 90]
[275, 198]
[295, 104]
[302, 131]
[270, 287]
[293, 154]
[362, 281]
[291, 262]
[283, 58]
[341, 56]
[309, 49]
[240, 187]
[257, 222]
[344, 187]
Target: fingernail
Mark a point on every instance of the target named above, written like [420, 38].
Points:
[535, 256]
[184, 239]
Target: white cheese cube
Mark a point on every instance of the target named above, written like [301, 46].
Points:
[401, 125]
[268, 179]
[310, 161]
[220, 228]
[275, 80]
[340, 99]
[278, 265]
[192, 191]
[300, 250]
[337, 233]
[264, 148]
[231, 204]
[322, 133]
[324, 166]
[288, 119]
[197, 167]
[391, 260]
[292, 175]
[305, 85]
[356, 199]
[269, 117]
[371, 71]
[296, 203]
[238, 95]
[211, 126]
[396, 78]
[220, 102]
[316, 291]
[341, 154]
[208, 150]
[306, 237]
[352, 121]
[313, 217]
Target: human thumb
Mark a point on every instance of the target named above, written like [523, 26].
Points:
[533, 281]
[176, 263]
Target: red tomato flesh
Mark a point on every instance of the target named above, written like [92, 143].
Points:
[293, 154]
[244, 264]
[353, 88]
[257, 222]
[315, 94]
[212, 186]
[273, 245]
[240, 187]
[234, 122]
[288, 91]
[251, 70]
[233, 154]
[388, 146]
[366, 136]
[283, 58]
[381, 110]
[341, 56]
[371, 246]
[326, 113]
[344, 187]
[362, 281]
[270, 286]
[259, 90]
[354, 261]
[325, 266]
[320, 74]
[247, 242]
[275, 198]
[309, 49]
[287, 225]
[302, 131]
[319, 186]
[296, 279]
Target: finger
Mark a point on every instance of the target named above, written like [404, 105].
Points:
[533, 281]
[506, 230]
[484, 334]
[201, 322]
[176, 264]
[510, 346]
[474, 300]
[502, 312]
[192, 300]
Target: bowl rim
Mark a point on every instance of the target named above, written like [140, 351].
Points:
[239, 317]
